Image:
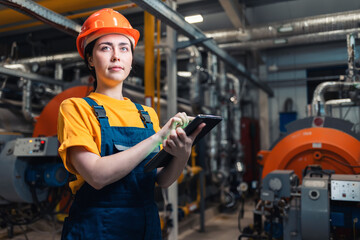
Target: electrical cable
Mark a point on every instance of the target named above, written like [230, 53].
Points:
[338, 161]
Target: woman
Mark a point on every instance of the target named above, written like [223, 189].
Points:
[105, 140]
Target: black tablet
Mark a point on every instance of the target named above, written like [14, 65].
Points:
[163, 157]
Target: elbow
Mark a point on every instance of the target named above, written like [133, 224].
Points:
[164, 185]
[97, 182]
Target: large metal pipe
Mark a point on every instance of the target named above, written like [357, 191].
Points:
[312, 38]
[196, 95]
[300, 26]
[318, 102]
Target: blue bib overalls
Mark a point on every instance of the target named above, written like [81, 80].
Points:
[122, 210]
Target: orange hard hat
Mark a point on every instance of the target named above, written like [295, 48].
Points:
[102, 22]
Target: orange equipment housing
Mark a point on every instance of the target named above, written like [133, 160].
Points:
[332, 148]
[46, 123]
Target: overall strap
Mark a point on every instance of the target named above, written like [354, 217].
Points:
[99, 111]
[145, 117]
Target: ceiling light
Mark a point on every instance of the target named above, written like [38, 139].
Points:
[184, 74]
[194, 19]
[280, 41]
[285, 29]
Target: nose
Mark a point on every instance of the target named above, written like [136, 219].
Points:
[115, 56]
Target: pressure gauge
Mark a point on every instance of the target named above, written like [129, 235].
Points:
[275, 184]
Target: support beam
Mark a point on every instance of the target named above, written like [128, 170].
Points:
[235, 13]
[31, 76]
[43, 14]
[176, 21]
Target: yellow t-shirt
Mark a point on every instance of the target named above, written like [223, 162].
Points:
[78, 125]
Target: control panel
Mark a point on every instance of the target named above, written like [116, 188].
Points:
[345, 187]
[40, 146]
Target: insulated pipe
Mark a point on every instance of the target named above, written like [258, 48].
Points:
[316, 24]
[211, 100]
[236, 121]
[195, 89]
[318, 101]
[311, 38]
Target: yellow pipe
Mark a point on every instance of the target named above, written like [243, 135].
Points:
[149, 29]
[158, 66]
[73, 16]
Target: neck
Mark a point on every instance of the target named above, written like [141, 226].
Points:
[113, 92]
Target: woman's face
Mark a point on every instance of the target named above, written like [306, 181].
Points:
[112, 58]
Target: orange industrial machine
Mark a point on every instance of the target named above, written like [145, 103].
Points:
[325, 141]
[310, 182]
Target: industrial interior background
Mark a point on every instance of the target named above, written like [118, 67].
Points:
[283, 74]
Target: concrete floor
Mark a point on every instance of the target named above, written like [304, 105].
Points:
[217, 226]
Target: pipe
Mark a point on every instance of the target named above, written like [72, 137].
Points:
[26, 90]
[211, 100]
[311, 38]
[318, 101]
[195, 89]
[149, 71]
[26, 97]
[224, 137]
[350, 41]
[236, 119]
[316, 24]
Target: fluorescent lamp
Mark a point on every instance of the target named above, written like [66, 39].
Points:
[280, 41]
[184, 74]
[285, 29]
[194, 19]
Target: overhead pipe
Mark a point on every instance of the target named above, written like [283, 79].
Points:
[300, 26]
[312, 38]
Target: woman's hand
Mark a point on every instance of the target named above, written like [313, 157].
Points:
[179, 120]
[178, 144]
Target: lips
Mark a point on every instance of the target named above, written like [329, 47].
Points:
[116, 68]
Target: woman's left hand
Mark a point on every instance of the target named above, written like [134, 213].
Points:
[178, 143]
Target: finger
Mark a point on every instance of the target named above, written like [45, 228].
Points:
[191, 118]
[197, 131]
[170, 143]
[181, 134]
[175, 122]
[184, 119]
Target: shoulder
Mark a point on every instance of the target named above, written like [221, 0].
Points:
[73, 102]
[72, 105]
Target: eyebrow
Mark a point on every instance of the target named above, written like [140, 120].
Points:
[111, 44]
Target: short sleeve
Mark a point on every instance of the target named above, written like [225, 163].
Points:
[74, 129]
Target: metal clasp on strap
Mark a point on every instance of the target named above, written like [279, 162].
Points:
[145, 117]
[100, 112]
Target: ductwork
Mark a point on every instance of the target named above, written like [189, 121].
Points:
[292, 40]
[318, 102]
[317, 24]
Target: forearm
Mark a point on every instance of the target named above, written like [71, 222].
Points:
[169, 174]
[102, 171]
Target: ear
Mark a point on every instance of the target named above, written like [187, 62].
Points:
[90, 61]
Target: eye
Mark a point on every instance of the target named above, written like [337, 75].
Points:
[105, 48]
[124, 49]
